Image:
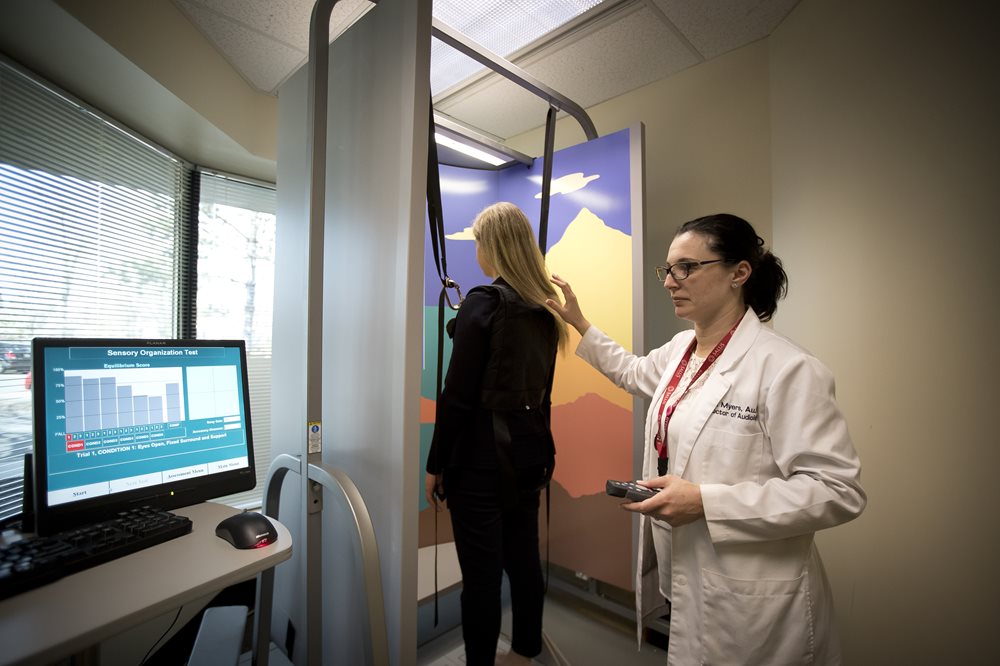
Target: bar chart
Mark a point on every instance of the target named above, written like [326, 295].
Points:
[103, 399]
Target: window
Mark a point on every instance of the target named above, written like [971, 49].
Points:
[236, 228]
[98, 238]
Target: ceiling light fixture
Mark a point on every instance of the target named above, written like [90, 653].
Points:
[470, 143]
[466, 149]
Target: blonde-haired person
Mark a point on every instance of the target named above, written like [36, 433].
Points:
[492, 450]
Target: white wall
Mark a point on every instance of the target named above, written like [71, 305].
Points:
[885, 147]
[372, 323]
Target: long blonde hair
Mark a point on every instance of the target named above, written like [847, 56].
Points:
[508, 243]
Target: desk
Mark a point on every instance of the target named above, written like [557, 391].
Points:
[60, 619]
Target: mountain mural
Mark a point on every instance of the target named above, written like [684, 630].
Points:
[597, 262]
[590, 245]
[593, 444]
[590, 534]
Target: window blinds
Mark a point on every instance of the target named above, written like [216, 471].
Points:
[236, 230]
[99, 238]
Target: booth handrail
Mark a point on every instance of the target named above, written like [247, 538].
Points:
[332, 479]
[280, 467]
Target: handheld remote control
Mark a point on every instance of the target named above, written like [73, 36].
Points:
[629, 490]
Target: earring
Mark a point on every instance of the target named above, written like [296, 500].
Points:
[735, 284]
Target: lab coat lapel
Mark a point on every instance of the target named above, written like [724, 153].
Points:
[717, 383]
[705, 403]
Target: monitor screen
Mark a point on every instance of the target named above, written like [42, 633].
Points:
[120, 423]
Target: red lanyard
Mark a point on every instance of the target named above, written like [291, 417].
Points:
[660, 441]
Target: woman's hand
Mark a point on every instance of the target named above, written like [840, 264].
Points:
[678, 502]
[433, 487]
[571, 312]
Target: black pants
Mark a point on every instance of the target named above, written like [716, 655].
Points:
[491, 539]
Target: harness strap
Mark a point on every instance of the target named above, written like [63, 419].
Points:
[543, 218]
[437, 398]
[434, 214]
[435, 217]
[543, 229]
[435, 220]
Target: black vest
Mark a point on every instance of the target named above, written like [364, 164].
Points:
[522, 355]
[517, 384]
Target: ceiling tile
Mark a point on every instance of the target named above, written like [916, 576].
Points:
[621, 56]
[630, 51]
[263, 61]
[632, 44]
[715, 27]
[284, 20]
[518, 111]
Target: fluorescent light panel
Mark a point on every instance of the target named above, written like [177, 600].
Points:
[501, 26]
[469, 150]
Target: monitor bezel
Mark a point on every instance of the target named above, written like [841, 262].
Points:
[172, 495]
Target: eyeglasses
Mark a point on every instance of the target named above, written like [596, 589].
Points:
[681, 270]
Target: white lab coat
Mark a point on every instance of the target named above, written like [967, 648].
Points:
[770, 449]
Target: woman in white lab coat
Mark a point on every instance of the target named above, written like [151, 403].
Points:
[749, 451]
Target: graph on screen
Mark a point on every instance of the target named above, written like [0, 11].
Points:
[118, 425]
[119, 421]
[103, 399]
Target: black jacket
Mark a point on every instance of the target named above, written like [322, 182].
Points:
[495, 406]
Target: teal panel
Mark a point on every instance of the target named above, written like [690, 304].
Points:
[428, 376]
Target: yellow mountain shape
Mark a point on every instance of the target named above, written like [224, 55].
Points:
[596, 260]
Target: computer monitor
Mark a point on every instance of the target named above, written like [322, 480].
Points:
[120, 423]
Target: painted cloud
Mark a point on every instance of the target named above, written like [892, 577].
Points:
[569, 183]
[464, 234]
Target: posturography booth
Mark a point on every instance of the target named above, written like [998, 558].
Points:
[593, 240]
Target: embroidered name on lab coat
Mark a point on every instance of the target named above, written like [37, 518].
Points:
[741, 412]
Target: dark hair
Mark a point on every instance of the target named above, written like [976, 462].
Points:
[734, 239]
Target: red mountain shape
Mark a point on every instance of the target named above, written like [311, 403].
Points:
[593, 444]
[428, 410]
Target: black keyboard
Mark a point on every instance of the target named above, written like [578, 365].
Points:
[36, 561]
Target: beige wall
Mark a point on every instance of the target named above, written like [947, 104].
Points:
[157, 37]
[885, 145]
[707, 151]
[870, 128]
[147, 66]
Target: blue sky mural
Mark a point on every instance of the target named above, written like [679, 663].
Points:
[596, 172]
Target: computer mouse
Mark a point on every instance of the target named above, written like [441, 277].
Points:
[248, 529]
